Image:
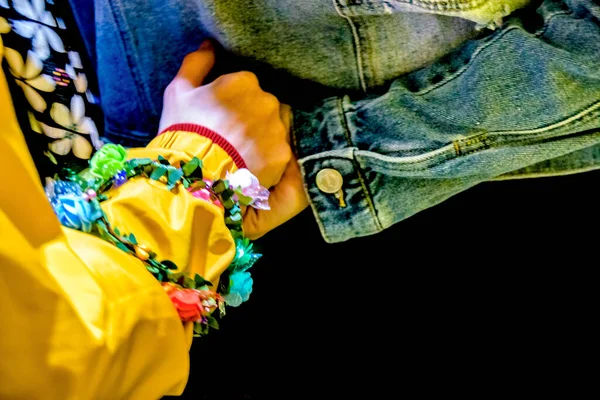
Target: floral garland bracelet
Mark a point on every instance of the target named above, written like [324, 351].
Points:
[76, 202]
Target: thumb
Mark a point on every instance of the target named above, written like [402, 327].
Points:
[197, 65]
[287, 199]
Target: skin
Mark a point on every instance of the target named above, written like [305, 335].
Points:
[252, 120]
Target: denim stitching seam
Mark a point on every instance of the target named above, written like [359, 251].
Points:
[449, 6]
[318, 219]
[365, 189]
[131, 56]
[357, 49]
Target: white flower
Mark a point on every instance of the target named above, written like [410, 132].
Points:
[242, 178]
[79, 79]
[42, 35]
[75, 60]
[28, 77]
[75, 124]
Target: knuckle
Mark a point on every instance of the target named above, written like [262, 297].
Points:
[278, 130]
[287, 153]
[170, 90]
[270, 102]
[245, 78]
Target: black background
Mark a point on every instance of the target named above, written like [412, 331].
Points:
[489, 288]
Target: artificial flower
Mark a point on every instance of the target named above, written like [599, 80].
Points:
[186, 302]
[210, 301]
[240, 288]
[206, 195]
[108, 161]
[249, 185]
[75, 212]
[66, 187]
[120, 178]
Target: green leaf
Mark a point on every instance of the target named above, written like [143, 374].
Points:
[219, 186]
[174, 177]
[235, 209]
[196, 175]
[228, 204]
[163, 160]
[237, 217]
[245, 200]
[213, 323]
[169, 264]
[154, 270]
[117, 231]
[143, 161]
[236, 234]
[229, 221]
[200, 281]
[186, 183]
[200, 329]
[175, 276]
[189, 283]
[152, 255]
[123, 247]
[147, 169]
[132, 238]
[191, 166]
[158, 173]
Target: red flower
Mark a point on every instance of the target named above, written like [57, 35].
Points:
[186, 301]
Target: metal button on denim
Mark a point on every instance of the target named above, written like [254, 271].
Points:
[329, 180]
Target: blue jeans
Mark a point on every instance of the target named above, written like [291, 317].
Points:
[408, 108]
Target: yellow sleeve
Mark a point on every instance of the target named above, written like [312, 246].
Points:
[80, 318]
[177, 226]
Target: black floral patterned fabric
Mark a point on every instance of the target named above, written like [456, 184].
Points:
[49, 84]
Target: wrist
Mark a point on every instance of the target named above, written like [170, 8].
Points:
[213, 136]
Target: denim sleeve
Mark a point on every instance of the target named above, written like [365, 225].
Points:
[518, 96]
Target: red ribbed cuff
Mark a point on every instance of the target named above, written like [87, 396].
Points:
[212, 135]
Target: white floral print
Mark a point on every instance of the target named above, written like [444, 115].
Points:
[56, 90]
[74, 124]
[42, 35]
[29, 78]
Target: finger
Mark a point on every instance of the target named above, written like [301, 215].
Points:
[287, 199]
[197, 65]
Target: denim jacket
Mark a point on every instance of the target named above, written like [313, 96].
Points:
[398, 105]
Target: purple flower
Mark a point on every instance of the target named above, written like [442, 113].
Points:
[120, 178]
[243, 180]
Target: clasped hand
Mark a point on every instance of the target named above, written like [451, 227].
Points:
[251, 120]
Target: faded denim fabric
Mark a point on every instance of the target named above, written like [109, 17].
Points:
[409, 107]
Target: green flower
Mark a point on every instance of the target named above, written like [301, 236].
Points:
[108, 161]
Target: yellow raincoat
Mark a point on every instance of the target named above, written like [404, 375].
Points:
[80, 319]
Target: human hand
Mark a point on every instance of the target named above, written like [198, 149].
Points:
[287, 198]
[235, 107]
